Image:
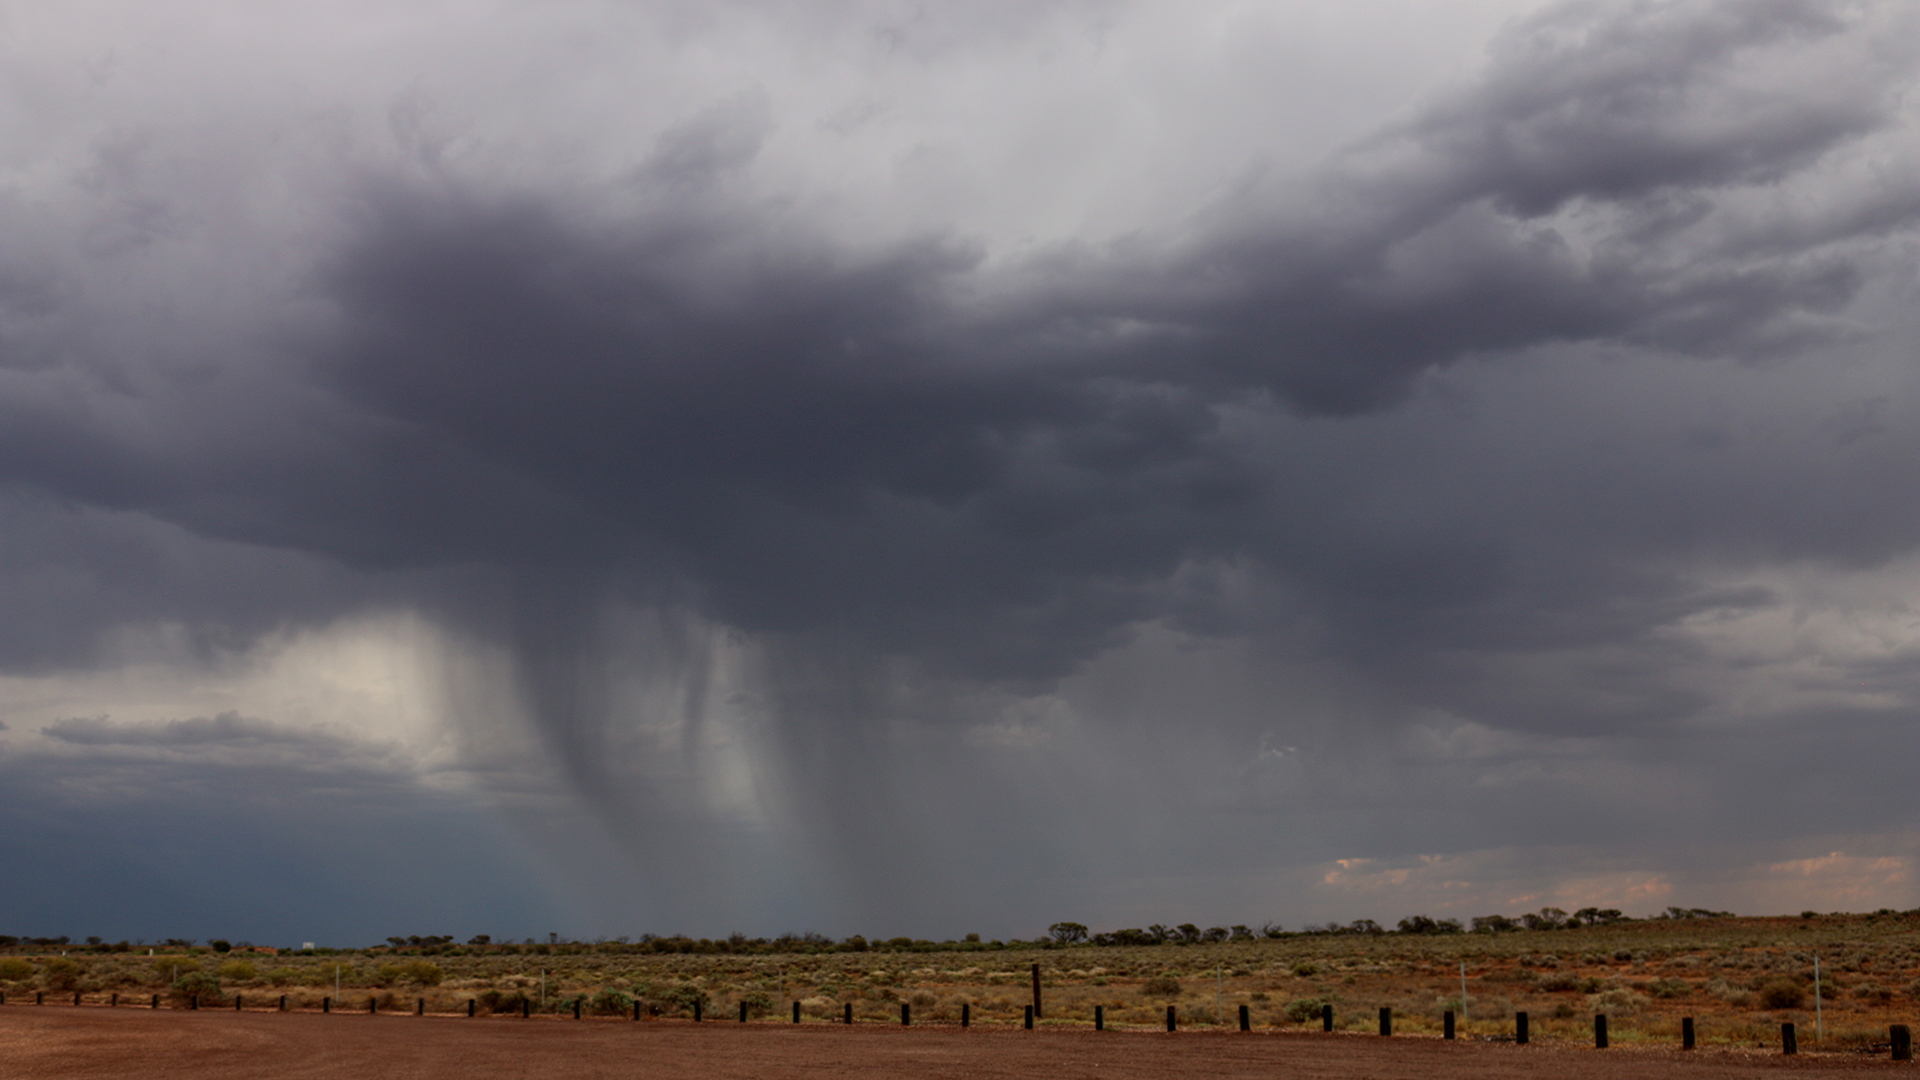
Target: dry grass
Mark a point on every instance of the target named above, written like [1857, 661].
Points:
[1734, 976]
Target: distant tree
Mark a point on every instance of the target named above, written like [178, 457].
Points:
[1241, 933]
[1493, 924]
[1270, 929]
[1364, 926]
[1067, 933]
[1188, 932]
[1215, 934]
[480, 939]
[1547, 918]
[221, 945]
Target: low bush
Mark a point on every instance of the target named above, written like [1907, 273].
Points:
[1301, 1010]
[1619, 1001]
[610, 1002]
[167, 970]
[679, 998]
[197, 985]
[14, 969]
[415, 972]
[1160, 986]
[498, 1002]
[1666, 989]
[61, 974]
[238, 971]
[1780, 994]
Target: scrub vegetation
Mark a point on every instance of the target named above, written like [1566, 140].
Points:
[1738, 977]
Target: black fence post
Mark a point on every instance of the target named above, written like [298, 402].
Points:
[420, 1009]
[743, 1012]
[1171, 1022]
[906, 1014]
[1901, 1037]
[113, 1000]
[796, 1012]
[1246, 1019]
[1099, 1018]
[326, 1004]
[1386, 1020]
[636, 1008]
[39, 997]
[1446, 1024]
[1029, 1018]
[526, 1008]
[696, 1010]
[76, 999]
[848, 1014]
[283, 1003]
[576, 1008]
[1520, 1028]
[966, 1013]
[1036, 991]
[472, 1008]
[1789, 1042]
[193, 1002]
[1326, 1018]
[1686, 1033]
[156, 1002]
[236, 1002]
[1600, 1031]
[373, 1005]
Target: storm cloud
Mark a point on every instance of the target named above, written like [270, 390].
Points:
[827, 500]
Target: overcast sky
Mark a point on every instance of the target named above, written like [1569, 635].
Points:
[902, 468]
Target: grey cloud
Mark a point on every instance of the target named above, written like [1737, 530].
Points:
[1466, 425]
[222, 729]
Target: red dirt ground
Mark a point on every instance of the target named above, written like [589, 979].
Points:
[54, 1043]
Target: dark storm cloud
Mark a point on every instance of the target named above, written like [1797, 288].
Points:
[1450, 435]
[802, 434]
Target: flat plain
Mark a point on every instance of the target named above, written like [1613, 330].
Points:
[1739, 979]
[66, 1043]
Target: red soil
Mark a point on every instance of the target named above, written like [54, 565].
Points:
[53, 1042]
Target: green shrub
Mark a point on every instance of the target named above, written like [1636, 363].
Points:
[14, 969]
[417, 972]
[679, 998]
[1160, 986]
[237, 971]
[610, 1002]
[1670, 988]
[1781, 994]
[1305, 969]
[1301, 1010]
[61, 974]
[168, 969]
[199, 985]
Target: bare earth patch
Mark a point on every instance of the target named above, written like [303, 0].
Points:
[54, 1043]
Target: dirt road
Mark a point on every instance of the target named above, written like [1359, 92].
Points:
[55, 1043]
